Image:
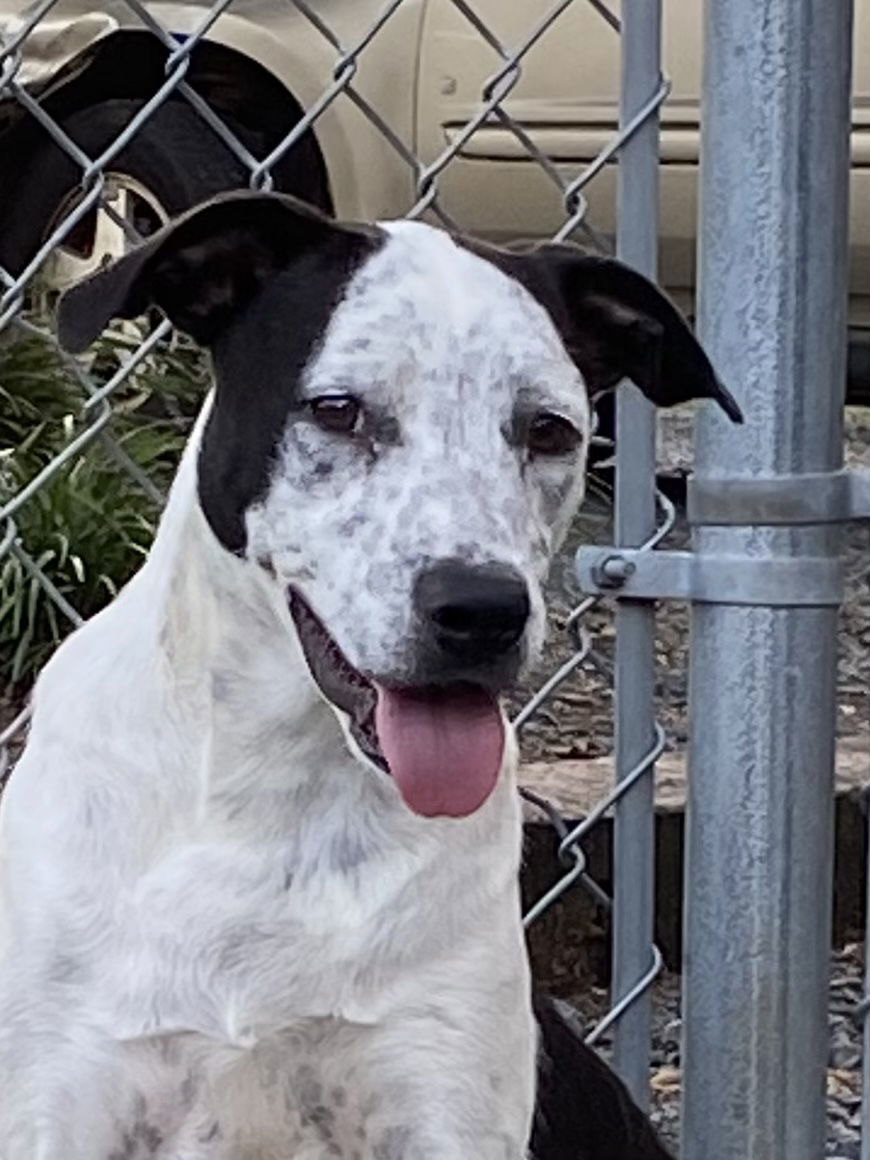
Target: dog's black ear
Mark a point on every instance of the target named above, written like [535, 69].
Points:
[616, 324]
[199, 270]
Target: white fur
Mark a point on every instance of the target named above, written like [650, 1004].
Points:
[224, 935]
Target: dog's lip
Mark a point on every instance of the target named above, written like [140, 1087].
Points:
[347, 688]
[340, 682]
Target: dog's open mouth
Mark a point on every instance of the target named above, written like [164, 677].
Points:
[443, 745]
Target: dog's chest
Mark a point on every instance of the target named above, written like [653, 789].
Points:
[291, 1095]
[227, 945]
[262, 994]
[233, 940]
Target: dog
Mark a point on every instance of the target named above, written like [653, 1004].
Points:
[260, 856]
[583, 1111]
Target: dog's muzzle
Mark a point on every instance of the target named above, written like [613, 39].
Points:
[440, 735]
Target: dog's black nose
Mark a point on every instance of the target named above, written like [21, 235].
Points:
[475, 613]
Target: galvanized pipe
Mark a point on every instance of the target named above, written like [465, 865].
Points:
[772, 314]
[865, 1022]
[634, 854]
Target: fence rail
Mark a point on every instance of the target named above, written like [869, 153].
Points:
[752, 910]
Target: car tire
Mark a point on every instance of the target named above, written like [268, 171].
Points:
[174, 155]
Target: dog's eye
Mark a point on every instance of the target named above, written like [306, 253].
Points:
[338, 413]
[551, 435]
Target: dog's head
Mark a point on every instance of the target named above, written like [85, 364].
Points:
[397, 440]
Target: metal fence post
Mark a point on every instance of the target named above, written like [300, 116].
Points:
[635, 518]
[865, 1012]
[772, 312]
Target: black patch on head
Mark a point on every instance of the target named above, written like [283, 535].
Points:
[615, 324]
[254, 277]
[258, 364]
[583, 1110]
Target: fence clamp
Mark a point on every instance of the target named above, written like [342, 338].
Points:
[816, 498]
[777, 581]
[703, 578]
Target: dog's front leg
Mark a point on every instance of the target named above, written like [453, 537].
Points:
[450, 1084]
[401, 1142]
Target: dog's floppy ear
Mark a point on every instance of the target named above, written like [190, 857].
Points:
[616, 324]
[199, 270]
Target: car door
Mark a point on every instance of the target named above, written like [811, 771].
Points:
[566, 103]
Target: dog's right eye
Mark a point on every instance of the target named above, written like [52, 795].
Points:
[340, 414]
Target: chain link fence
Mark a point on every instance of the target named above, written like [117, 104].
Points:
[340, 95]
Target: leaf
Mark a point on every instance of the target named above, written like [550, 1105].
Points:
[91, 524]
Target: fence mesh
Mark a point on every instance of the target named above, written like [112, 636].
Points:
[125, 388]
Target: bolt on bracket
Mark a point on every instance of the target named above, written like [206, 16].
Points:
[640, 574]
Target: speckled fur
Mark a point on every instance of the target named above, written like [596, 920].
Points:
[442, 345]
[224, 936]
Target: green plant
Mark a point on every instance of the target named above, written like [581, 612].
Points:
[88, 527]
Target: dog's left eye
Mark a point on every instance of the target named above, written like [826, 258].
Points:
[340, 414]
[551, 435]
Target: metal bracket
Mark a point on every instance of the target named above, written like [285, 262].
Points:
[817, 498]
[777, 581]
[641, 574]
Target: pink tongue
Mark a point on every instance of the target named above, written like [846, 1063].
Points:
[443, 746]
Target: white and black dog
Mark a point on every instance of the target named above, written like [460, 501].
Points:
[260, 857]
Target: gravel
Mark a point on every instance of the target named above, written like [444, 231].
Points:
[844, 1058]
